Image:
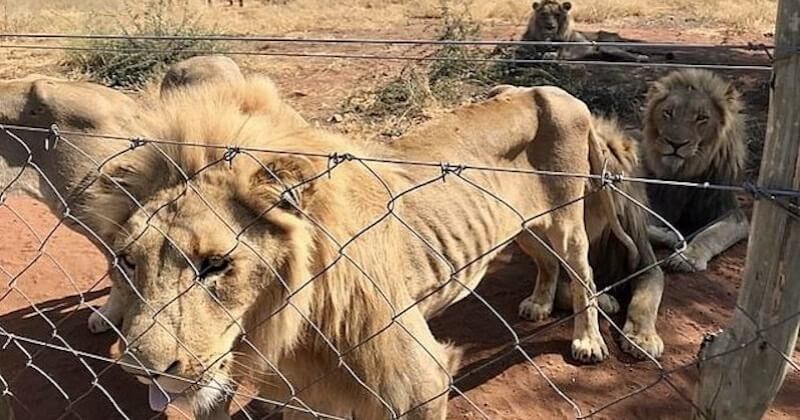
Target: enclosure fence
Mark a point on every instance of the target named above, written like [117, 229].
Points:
[32, 351]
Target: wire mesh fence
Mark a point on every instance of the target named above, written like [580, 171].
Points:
[282, 278]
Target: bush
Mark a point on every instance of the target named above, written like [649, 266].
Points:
[460, 73]
[129, 63]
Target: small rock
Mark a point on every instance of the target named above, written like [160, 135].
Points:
[336, 118]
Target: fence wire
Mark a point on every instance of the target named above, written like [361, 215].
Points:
[11, 41]
[41, 352]
[35, 350]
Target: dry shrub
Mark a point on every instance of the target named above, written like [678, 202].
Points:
[130, 63]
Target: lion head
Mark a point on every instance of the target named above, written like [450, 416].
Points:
[550, 21]
[693, 125]
[211, 242]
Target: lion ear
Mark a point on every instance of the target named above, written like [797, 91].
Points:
[117, 191]
[567, 6]
[732, 94]
[535, 5]
[656, 89]
[289, 180]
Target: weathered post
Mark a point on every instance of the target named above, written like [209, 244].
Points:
[742, 369]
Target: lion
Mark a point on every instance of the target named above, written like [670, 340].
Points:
[552, 21]
[200, 69]
[610, 254]
[694, 131]
[283, 251]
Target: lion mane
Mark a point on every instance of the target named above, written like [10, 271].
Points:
[719, 158]
[694, 131]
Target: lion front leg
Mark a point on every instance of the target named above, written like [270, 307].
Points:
[403, 372]
[710, 242]
[428, 366]
[640, 324]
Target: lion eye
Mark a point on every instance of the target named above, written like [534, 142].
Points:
[667, 113]
[126, 262]
[214, 265]
[289, 200]
[702, 118]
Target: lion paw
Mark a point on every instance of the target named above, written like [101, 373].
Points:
[608, 304]
[649, 342]
[591, 349]
[687, 262]
[532, 311]
[100, 323]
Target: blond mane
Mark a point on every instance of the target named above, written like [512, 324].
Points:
[694, 131]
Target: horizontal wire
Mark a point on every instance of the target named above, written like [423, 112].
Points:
[138, 141]
[390, 57]
[378, 41]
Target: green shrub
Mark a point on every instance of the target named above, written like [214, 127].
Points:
[129, 63]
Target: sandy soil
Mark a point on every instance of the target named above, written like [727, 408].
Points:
[54, 285]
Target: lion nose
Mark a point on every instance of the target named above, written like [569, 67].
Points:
[173, 368]
[677, 144]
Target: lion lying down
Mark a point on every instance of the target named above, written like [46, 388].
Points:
[295, 258]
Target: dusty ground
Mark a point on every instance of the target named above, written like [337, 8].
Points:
[55, 283]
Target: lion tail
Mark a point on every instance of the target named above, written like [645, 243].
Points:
[597, 161]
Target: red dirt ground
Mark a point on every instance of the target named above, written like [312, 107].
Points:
[508, 389]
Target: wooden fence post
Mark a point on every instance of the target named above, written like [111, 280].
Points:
[742, 368]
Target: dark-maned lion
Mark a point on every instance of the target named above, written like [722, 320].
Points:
[694, 131]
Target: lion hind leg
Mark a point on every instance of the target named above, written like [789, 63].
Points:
[570, 241]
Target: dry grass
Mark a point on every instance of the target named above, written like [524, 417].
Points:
[322, 85]
[731, 15]
[299, 16]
